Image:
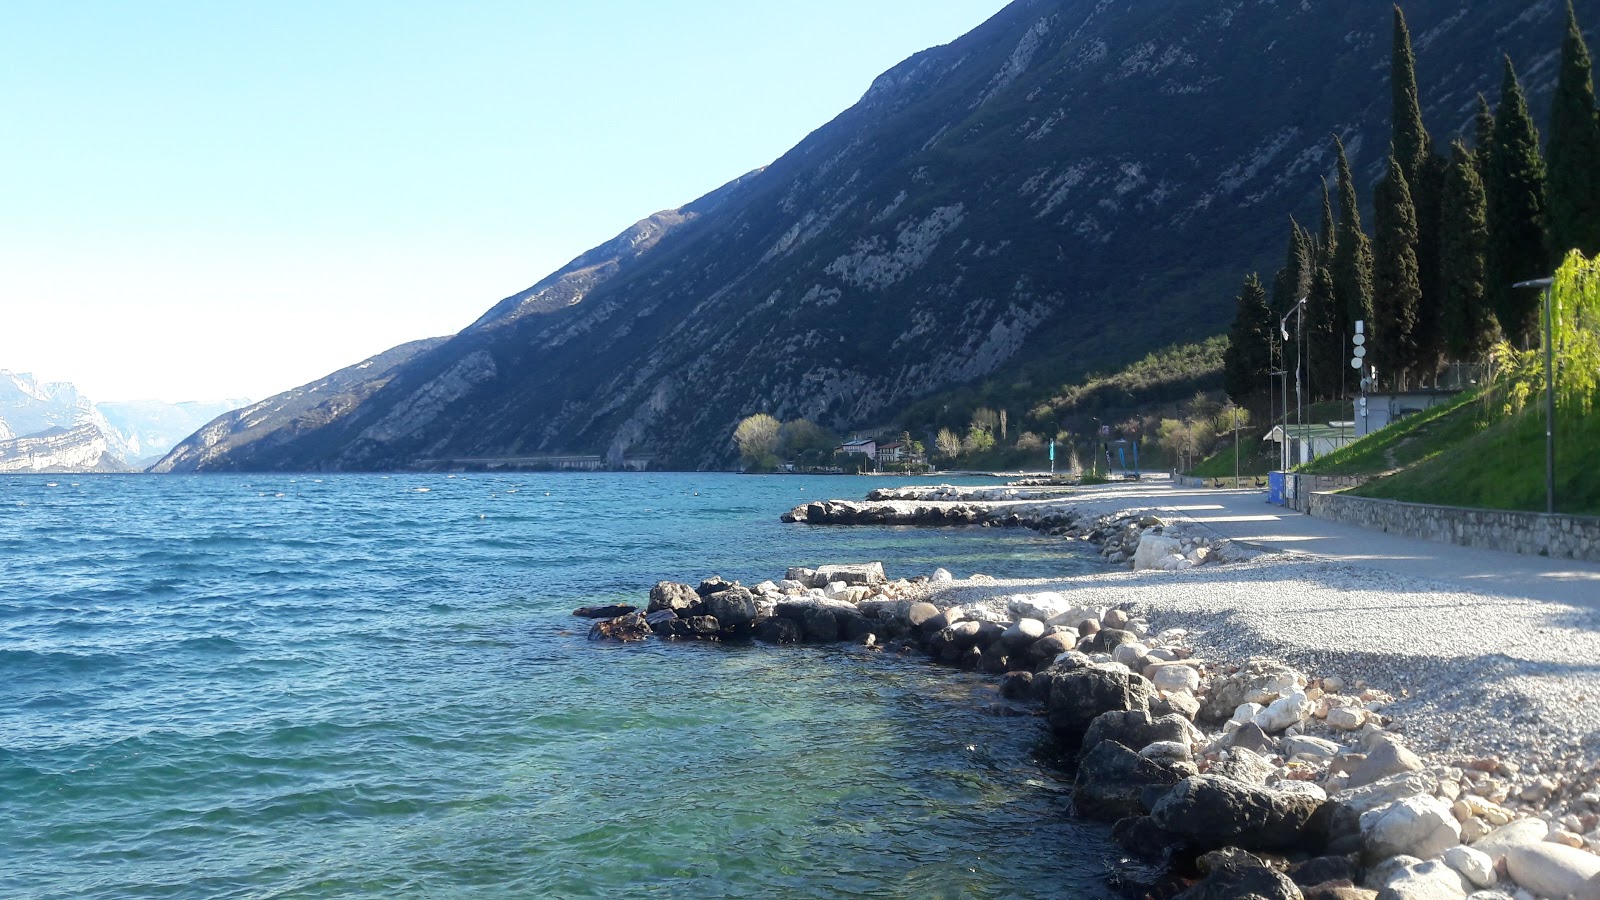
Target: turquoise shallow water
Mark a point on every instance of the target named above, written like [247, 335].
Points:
[273, 686]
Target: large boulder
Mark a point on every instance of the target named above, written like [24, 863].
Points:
[1021, 634]
[631, 627]
[1154, 549]
[1043, 652]
[1112, 781]
[1499, 842]
[680, 598]
[1079, 696]
[1386, 757]
[1106, 640]
[1135, 728]
[1418, 826]
[1555, 870]
[612, 611]
[1212, 811]
[1417, 880]
[777, 631]
[734, 607]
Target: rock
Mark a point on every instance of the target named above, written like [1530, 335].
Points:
[1043, 606]
[1111, 781]
[1422, 827]
[1182, 704]
[1259, 680]
[1252, 737]
[1323, 869]
[1236, 876]
[1174, 751]
[1175, 677]
[1339, 890]
[1431, 880]
[1473, 865]
[1153, 548]
[1382, 793]
[1114, 618]
[1079, 696]
[1135, 728]
[921, 612]
[941, 576]
[1106, 640]
[1141, 836]
[1245, 766]
[1017, 685]
[604, 612]
[1497, 843]
[1305, 745]
[702, 627]
[661, 620]
[630, 627]
[1022, 633]
[1284, 712]
[851, 574]
[680, 598]
[791, 586]
[1212, 811]
[714, 584]
[1131, 654]
[801, 574]
[1044, 651]
[733, 607]
[777, 631]
[1386, 757]
[1553, 870]
[1343, 718]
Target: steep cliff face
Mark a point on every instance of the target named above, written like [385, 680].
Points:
[1070, 185]
[82, 448]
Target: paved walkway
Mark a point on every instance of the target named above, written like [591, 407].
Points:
[1244, 515]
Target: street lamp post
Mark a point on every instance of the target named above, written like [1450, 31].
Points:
[1283, 328]
[1549, 393]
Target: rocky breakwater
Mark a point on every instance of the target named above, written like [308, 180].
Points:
[1136, 538]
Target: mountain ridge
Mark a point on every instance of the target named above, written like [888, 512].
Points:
[1051, 193]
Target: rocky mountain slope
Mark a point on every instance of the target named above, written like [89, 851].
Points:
[1070, 185]
[151, 428]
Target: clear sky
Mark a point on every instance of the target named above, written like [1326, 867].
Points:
[207, 199]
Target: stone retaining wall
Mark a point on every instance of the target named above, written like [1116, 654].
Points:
[1301, 488]
[1558, 536]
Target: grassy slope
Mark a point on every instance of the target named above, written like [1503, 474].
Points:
[1450, 456]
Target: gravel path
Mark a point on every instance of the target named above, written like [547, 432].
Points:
[1480, 666]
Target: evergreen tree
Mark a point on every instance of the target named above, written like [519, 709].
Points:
[1411, 144]
[1322, 341]
[1484, 125]
[1328, 239]
[1573, 188]
[1514, 189]
[1247, 361]
[1469, 325]
[1294, 279]
[1351, 272]
[1397, 292]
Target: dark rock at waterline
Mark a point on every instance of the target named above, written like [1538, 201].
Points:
[989, 633]
[734, 607]
[604, 612]
[1134, 728]
[995, 661]
[661, 621]
[1106, 640]
[1213, 811]
[704, 627]
[1142, 837]
[680, 598]
[1017, 686]
[631, 627]
[970, 658]
[819, 625]
[1079, 696]
[1235, 875]
[1112, 779]
[777, 631]
[853, 626]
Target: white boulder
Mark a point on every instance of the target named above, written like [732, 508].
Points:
[1418, 826]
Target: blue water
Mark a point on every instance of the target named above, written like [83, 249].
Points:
[273, 686]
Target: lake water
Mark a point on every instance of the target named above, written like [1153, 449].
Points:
[265, 686]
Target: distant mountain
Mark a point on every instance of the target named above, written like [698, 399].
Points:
[289, 417]
[53, 427]
[1069, 186]
[151, 428]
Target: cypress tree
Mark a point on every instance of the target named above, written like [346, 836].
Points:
[1247, 361]
[1427, 196]
[1397, 291]
[1469, 325]
[1411, 143]
[1484, 125]
[1324, 352]
[1329, 238]
[1352, 267]
[1573, 187]
[1514, 190]
[1294, 279]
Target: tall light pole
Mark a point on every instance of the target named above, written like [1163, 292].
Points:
[1549, 393]
[1283, 329]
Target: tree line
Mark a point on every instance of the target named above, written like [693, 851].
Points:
[1452, 232]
